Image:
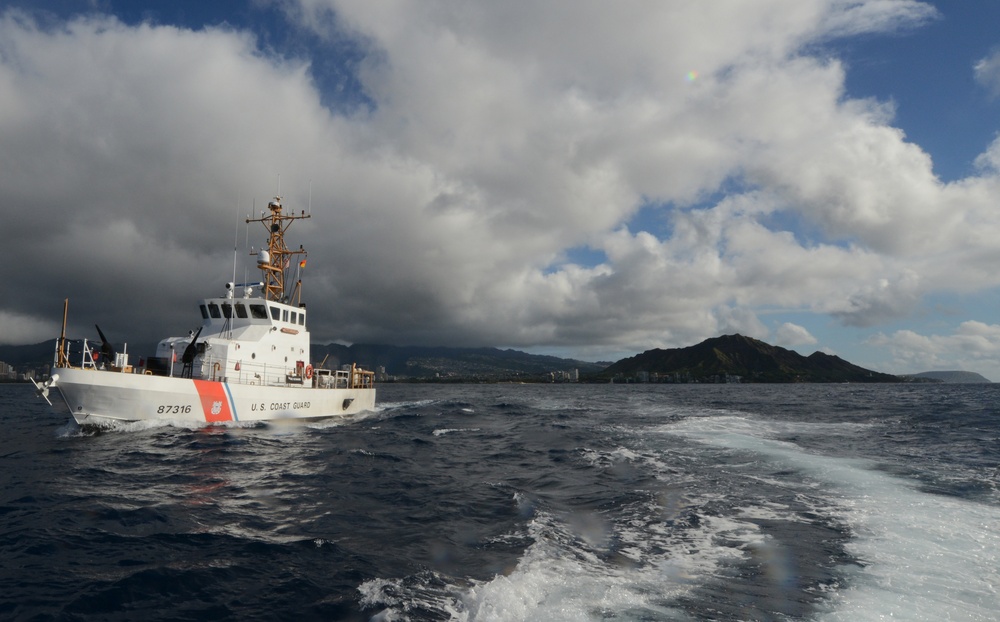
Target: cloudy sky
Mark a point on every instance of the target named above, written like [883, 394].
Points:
[588, 179]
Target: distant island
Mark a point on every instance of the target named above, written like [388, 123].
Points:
[953, 377]
[726, 359]
[735, 358]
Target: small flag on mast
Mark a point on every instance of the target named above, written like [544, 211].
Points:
[302, 264]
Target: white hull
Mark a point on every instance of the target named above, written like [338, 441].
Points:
[100, 397]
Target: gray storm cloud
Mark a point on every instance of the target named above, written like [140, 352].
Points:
[499, 138]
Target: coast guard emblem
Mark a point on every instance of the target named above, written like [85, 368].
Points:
[216, 408]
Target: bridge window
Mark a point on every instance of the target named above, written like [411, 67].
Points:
[302, 319]
[227, 310]
[295, 317]
[259, 312]
[241, 310]
[204, 312]
[275, 313]
[284, 315]
[213, 310]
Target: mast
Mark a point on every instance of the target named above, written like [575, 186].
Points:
[275, 262]
[62, 359]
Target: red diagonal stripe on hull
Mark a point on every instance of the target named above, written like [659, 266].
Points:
[214, 403]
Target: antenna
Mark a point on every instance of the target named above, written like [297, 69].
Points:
[236, 235]
[310, 204]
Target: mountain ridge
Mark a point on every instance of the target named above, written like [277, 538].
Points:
[750, 360]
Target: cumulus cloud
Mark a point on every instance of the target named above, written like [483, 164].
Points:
[881, 301]
[790, 335]
[497, 138]
[987, 72]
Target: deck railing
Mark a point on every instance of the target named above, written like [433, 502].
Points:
[223, 370]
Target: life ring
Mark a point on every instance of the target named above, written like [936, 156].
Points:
[309, 372]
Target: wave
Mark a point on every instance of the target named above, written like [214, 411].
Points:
[923, 556]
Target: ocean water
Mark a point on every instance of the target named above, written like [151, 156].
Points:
[517, 502]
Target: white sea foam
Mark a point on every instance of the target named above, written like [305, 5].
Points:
[581, 566]
[443, 431]
[142, 426]
[384, 406]
[331, 422]
[71, 428]
[559, 580]
[400, 598]
[572, 571]
[648, 461]
[925, 556]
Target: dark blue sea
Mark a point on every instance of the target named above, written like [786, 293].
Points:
[517, 502]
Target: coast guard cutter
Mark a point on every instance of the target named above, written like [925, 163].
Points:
[249, 360]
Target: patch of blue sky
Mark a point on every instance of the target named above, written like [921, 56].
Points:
[928, 74]
[583, 256]
[946, 310]
[586, 256]
[656, 217]
[653, 218]
[191, 14]
[334, 67]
